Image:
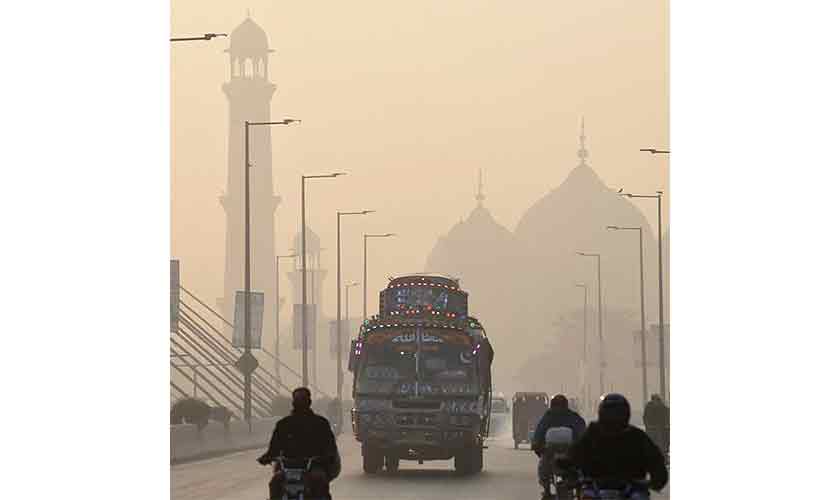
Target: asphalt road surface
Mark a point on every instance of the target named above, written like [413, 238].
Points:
[508, 474]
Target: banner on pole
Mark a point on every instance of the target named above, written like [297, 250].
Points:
[174, 294]
[256, 305]
[310, 326]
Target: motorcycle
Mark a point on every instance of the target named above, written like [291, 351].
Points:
[563, 475]
[613, 489]
[570, 484]
[294, 472]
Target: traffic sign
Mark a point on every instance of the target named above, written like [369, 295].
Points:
[256, 306]
[247, 363]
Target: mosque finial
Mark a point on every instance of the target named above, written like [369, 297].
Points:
[583, 154]
[480, 196]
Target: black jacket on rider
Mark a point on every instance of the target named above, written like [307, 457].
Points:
[628, 454]
[557, 417]
[303, 434]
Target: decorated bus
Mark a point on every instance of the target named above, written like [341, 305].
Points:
[421, 377]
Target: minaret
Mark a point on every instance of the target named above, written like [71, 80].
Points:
[249, 98]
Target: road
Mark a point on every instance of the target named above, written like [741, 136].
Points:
[508, 474]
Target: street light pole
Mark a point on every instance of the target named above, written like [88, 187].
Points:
[658, 196]
[585, 339]
[247, 312]
[339, 374]
[277, 320]
[602, 363]
[206, 36]
[662, 386]
[347, 300]
[303, 330]
[642, 299]
[364, 280]
[276, 324]
[347, 321]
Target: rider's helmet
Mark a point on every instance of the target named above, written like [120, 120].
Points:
[614, 412]
[559, 401]
[301, 399]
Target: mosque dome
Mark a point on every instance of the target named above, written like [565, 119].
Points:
[479, 251]
[573, 218]
[248, 38]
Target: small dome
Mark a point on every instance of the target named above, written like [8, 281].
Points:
[248, 38]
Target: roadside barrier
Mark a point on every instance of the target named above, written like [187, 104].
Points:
[187, 442]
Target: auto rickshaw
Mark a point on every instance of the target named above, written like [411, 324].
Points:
[528, 409]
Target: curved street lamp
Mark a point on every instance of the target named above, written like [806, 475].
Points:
[206, 36]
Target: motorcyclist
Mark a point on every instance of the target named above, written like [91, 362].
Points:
[657, 418]
[558, 415]
[303, 434]
[611, 448]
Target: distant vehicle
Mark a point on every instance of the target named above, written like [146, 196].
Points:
[421, 378]
[528, 409]
[499, 414]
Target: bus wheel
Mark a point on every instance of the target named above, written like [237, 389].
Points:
[392, 463]
[371, 460]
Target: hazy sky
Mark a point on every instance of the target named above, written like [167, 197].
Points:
[411, 99]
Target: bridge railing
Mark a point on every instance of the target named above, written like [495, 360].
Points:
[203, 358]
